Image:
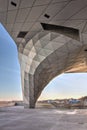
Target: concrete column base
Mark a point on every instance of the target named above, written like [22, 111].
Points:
[27, 106]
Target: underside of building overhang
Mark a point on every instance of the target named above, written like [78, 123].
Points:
[51, 38]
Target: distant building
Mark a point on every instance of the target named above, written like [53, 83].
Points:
[84, 101]
[50, 101]
[74, 101]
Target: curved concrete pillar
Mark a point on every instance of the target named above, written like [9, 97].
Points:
[45, 56]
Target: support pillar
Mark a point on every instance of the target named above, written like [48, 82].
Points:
[29, 99]
[26, 90]
[31, 91]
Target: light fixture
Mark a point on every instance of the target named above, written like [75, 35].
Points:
[22, 34]
[13, 3]
[85, 50]
[47, 16]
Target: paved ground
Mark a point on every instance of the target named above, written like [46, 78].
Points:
[17, 118]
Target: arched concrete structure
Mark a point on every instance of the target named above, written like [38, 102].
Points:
[45, 56]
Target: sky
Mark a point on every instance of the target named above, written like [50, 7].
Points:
[10, 82]
[63, 86]
[69, 85]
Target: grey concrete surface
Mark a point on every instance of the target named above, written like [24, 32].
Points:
[17, 118]
[43, 55]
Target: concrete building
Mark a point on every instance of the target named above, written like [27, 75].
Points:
[46, 51]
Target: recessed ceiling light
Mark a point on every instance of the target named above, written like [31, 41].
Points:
[22, 34]
[13, 3]
[85, 50]
[47, 16]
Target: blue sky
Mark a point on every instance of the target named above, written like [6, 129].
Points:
[66, 86]
[63, 86]
[10, 82]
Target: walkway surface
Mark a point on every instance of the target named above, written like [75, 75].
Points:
[17, 118]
